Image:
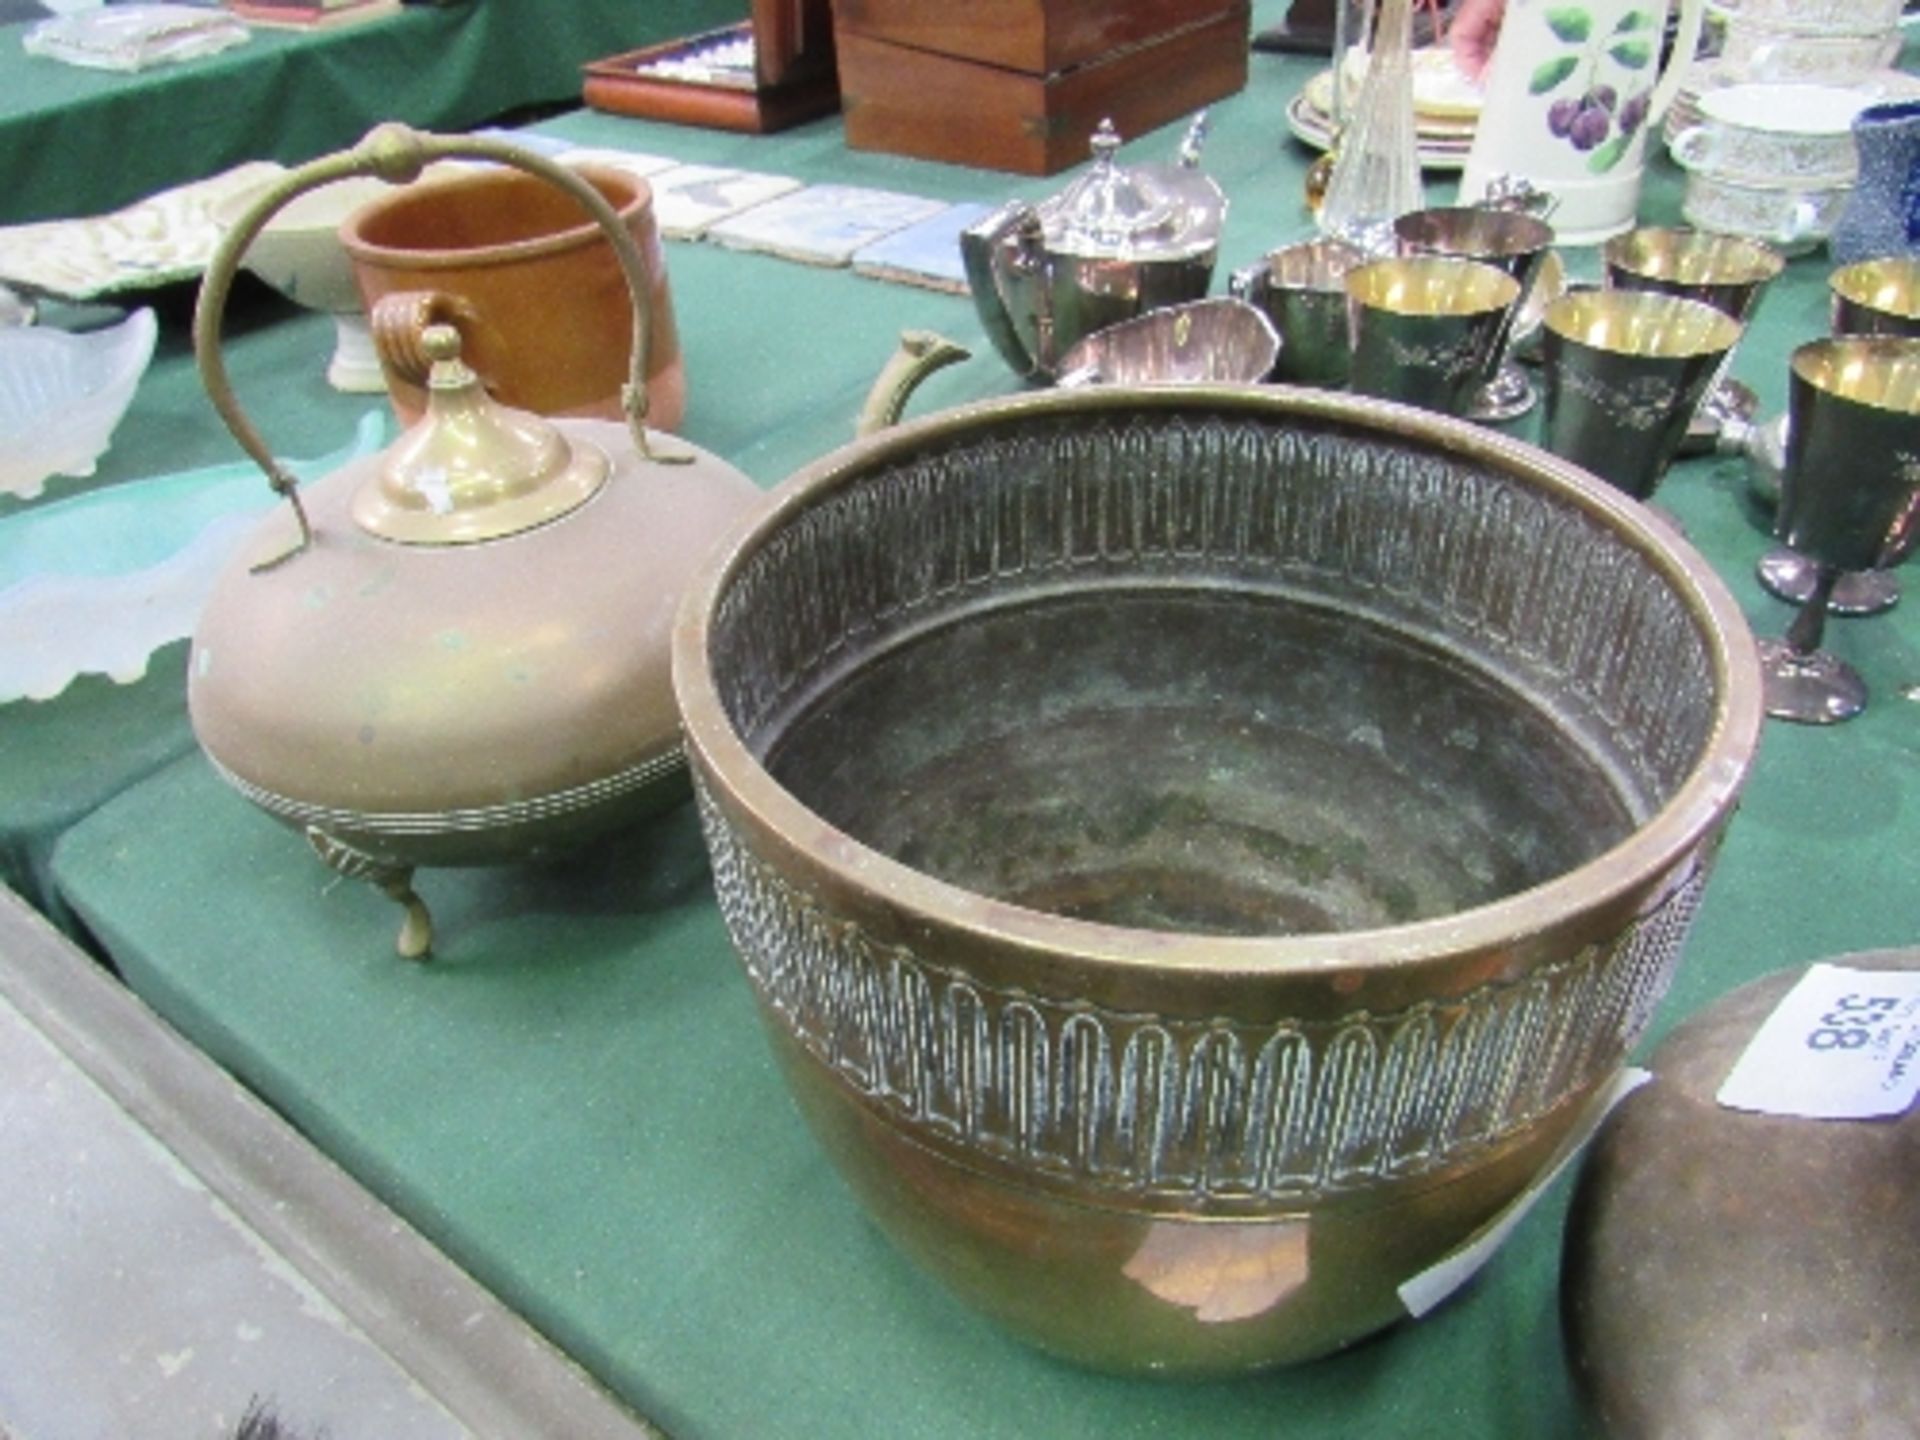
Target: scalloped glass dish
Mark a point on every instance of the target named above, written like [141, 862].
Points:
[93, 585]
[62, 395]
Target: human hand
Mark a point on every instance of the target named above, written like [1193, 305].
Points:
[1473, 31]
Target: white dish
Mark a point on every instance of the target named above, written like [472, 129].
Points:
[1811, 17]
[1440, 91]
[133, 37]
[1774, 134]
[61, 396]
[166, 237]
[1785, 109]
[1785, 53]
[1312, 127]
[1709, 76]
[1793, 219]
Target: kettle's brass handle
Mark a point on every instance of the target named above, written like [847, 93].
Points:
[397, 154]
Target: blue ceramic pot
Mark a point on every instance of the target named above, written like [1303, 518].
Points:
[1882, 216]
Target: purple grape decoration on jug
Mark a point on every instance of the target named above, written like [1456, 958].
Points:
[1574, 90]
[1595, 121]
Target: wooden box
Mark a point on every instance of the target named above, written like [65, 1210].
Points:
[1041, 37]
[1020, 85]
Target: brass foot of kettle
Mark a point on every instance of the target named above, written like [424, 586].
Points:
[415, 940]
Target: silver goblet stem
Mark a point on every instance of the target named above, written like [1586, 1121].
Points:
[1800, 680]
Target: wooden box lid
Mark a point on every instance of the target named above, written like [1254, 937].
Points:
[933, 106]
[1039, 37]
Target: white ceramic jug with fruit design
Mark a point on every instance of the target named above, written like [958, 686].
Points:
[1574, 87]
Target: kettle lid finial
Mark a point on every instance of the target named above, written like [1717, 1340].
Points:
[474, 469]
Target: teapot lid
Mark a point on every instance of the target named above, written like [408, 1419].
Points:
[1143, 212]
[474, 469]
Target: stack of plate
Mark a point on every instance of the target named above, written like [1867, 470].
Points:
[1773, 162]
[1762, 122]
[1846, 43]
[1445, 107]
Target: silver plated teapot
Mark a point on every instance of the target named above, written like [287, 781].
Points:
[1116, 243]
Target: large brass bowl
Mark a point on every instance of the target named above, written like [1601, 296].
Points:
[1196, 851]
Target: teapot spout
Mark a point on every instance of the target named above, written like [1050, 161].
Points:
[920, 353]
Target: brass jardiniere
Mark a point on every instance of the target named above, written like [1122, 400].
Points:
[1024, 734]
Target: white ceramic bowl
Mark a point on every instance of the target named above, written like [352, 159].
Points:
[61, 396]
[299, 254]
[1779, 135]
[1787, 53]
[299, 251]
[1811, 17]
[1793, 219]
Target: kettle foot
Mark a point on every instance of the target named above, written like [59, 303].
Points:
[415, 940]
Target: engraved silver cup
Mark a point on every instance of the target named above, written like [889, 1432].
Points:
[1625, 371]
[1427, 330]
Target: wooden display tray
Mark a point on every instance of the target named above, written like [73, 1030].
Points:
[792, 80]
[934, 106]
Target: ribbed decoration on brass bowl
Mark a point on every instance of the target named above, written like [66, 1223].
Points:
[1197, 852]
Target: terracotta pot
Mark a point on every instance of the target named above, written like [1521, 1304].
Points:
[529, 281]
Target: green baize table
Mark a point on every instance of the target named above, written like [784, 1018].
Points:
[574, 1099]
[75, 141]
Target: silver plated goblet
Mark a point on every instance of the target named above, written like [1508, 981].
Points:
[1849, 501]
[1728, 272]
[1625, 370]
[1869, 297]
[1510, 240]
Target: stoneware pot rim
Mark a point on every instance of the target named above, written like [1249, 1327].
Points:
[609, 180]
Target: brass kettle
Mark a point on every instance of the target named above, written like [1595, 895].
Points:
[457, 651]
[1114, 244]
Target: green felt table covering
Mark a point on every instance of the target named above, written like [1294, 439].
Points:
[75, 141]
[575, 1098]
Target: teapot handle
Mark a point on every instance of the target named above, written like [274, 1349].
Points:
[1005, 262]
[397, 154]
[1686, 41]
